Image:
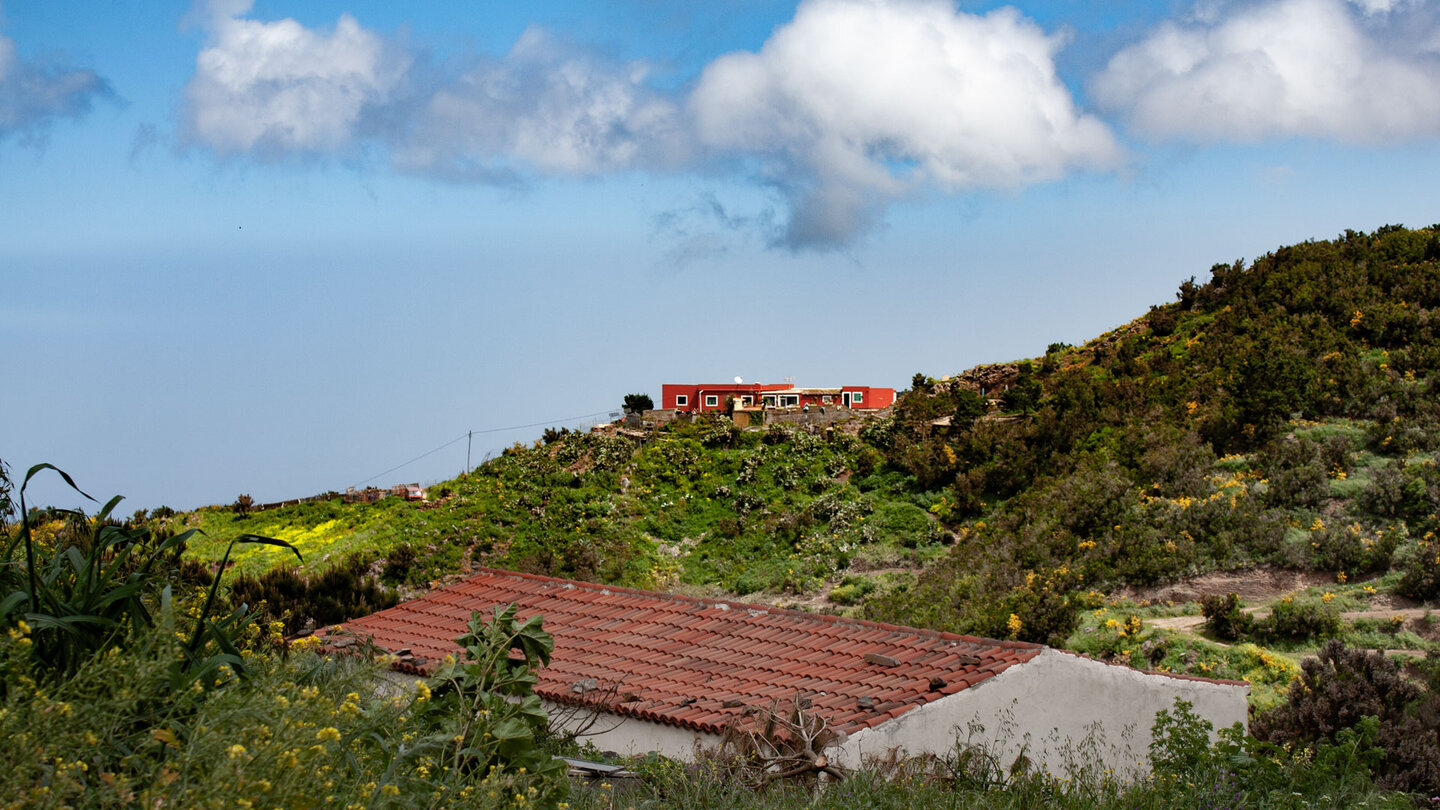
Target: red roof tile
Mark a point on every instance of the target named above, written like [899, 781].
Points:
[666, 649]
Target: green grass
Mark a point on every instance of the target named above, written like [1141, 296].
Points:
[1353, 429]
[325, 532]
[757, 512]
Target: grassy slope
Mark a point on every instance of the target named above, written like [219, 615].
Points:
[1282, 414]
[702, 505]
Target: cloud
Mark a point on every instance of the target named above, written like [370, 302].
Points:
[278, 88]
[273, 88]
[546, 105]
[707, 230]
[1306, 68]
[34, 94]
[857, 102]
[848, 107]
[1378, 6]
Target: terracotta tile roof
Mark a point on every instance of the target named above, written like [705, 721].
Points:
[697, 663]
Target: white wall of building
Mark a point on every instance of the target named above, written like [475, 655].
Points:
[630, 736]
[1063, 711]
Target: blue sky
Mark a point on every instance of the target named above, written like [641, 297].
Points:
[279, 248]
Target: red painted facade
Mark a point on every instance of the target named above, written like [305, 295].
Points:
[696, 398]
[699, 398]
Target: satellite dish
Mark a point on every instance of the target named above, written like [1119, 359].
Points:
[738, 381]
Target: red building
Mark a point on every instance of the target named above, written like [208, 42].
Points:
[698, 398]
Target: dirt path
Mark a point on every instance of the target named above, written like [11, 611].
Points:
[1255, 585]
[1260, 585]
[1191, 622]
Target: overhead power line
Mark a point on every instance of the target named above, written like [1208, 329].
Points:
[468, 433]
[413, 460]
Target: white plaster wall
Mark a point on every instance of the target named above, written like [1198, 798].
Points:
[609, 732]
[627, 735]
[1065, 712]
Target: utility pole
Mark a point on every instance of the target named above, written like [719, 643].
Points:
[468, 436]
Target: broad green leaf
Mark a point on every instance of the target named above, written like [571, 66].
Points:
[510, 728]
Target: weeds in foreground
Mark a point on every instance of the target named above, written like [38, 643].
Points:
[96, 590]
[1190, 767]
[302, 731]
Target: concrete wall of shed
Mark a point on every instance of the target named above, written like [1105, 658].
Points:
[1065, 712]
[628, 735]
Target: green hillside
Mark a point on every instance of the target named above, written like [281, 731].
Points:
[1218, 488]
[1282, 415]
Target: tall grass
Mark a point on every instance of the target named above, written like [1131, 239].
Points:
[92, 592]
[302, 731]
[1186, 770]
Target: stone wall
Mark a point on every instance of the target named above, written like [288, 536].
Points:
[795, 416]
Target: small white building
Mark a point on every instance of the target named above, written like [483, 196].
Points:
[669, 673]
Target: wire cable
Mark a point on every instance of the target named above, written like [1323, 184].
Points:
[468, 433]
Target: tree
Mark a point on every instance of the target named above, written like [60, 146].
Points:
[969, 406]
[1024, 393]
[635, 403]
[1270, 385]
[1188, 294]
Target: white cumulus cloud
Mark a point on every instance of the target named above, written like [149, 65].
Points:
[35, 94]
[546, 105]
[1306, 68]
[279, 87]
[856, 102]
[849, 106]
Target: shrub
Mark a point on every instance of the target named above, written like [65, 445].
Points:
[1343, 686]
[335, 595]
[1420, 567]
[1400, 490]
[1180, 741]
[851, 590]
[1162, 321]
[1296, 472]
[300, 731]
[399, 562]
[1351, 549]
[1224, 618]
[1299, 620]
[777, 434]
[1024, 393]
